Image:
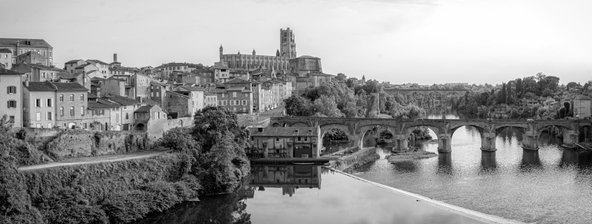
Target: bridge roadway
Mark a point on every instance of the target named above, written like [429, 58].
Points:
[356, 128]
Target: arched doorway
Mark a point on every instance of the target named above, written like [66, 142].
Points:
[140, 127]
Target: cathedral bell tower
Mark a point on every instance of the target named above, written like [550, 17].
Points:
[287, 43]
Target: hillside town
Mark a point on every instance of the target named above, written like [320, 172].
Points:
[92, 94]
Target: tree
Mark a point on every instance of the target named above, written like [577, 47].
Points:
[326, 105]
[211, 123]
[297, 106]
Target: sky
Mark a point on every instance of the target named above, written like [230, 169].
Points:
[398, 41]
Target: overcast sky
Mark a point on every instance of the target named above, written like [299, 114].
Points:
[401, 41]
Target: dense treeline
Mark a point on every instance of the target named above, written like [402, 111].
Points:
[345, 97]
[207, 159]
[516, 94]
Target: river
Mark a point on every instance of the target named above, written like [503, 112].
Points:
[551, 185]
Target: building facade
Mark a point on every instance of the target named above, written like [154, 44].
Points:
[39, 105]
[5, 58]
[11, 93]
[285, 142]
[279, 62]
[20, 46]
[71, 105]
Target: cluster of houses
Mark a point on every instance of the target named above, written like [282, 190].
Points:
[92, 94]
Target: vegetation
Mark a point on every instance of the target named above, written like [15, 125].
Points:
[206, 160]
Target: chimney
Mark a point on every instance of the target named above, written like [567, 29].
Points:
[115, 57]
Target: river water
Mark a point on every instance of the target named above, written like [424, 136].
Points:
[551, 185]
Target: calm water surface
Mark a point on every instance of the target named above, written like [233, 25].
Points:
[309, 194]
[553, 185]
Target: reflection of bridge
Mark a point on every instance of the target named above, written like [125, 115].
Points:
[356, 129]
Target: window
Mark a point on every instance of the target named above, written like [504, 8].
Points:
[37, 102]
[71, 97]
[12, 104]
[61, 97]
[81, 111]
[62, 111]
[72, 112]
[233, 94]
[82, 97]
[11, 89]
[49, 103]
[11, 119]
[126, 116]
[38, 116]
[49, 117]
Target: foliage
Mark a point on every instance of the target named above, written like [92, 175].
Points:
[297, 106]
[180, 140]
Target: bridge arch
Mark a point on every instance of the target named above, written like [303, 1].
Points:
[378, 128]
[562, 128]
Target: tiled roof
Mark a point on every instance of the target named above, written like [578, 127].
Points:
[73, 61]
[237, 81]
[283, 131]
[82, 65]
[69, 87]
[40, 86]
[11, 42]
[121, 100]
[97, 61]
[5, 50]
[9, 72]
[144, 109]
[43, 67]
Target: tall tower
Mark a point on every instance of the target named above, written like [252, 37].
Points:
[287, 43]
[221, 52]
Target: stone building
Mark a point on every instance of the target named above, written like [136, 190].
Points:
[5, 58]
[11, 93]
[31, 57]
[285, 142]
[38, 73]
[20, 46]
[184, 101]
[39, 105]
[71, 105]
[236, 95]
[124, 116]
[279, 62]
[582, 106]
[146, 118]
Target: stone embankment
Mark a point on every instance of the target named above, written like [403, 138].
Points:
[354, 160]
[63, 144]
[407, 156]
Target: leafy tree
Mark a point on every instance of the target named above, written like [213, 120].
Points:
[297, 106]
[326, 106]
[211, 123]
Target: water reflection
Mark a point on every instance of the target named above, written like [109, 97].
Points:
[287, 177]
[220, 209]
[444, 164]
[405, 166]
[488, 162]
[530, 161]
[519, 183]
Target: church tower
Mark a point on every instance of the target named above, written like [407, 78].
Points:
[287, 43]
[221, 52]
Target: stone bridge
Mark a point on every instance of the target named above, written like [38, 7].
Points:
[356, 129]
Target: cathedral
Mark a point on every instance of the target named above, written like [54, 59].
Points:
[278, 63]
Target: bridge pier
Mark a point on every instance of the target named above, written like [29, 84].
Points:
[488, 142]
[444, 145]
[530, 141]
[401, 144]
[570, 138]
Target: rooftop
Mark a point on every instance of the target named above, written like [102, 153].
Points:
[9, 72]
[69, 87]
[11, 42]
[283, 131]
[121, 100]
[5, 50]
[40, 86]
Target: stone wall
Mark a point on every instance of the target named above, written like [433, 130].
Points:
[156, 128]
[361, 157]
[79, 143]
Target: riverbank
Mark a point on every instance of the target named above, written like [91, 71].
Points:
[354, 160]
